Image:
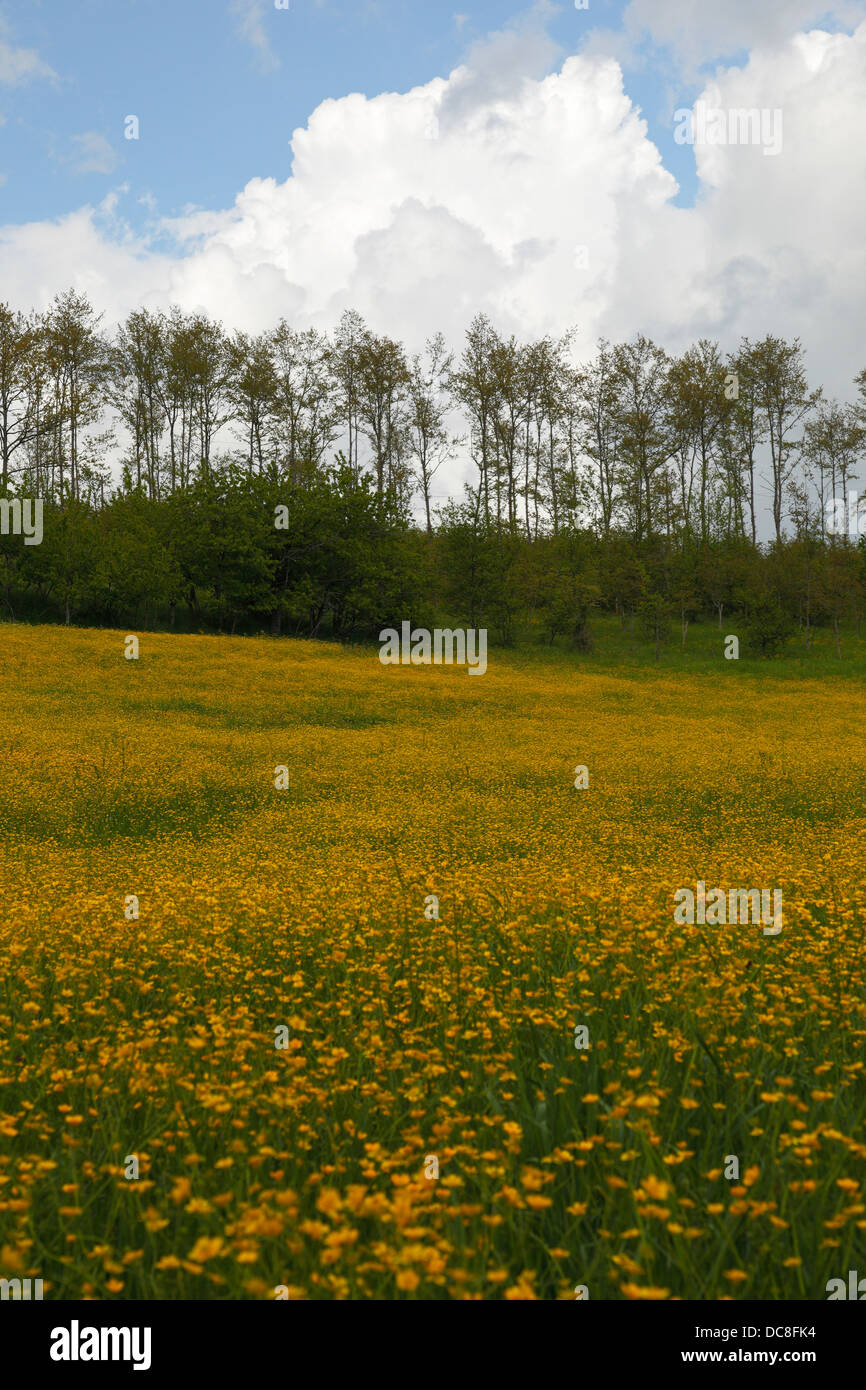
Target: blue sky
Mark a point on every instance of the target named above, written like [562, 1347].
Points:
[219, 87]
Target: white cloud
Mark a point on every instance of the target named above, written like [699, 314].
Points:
[91, 154]
[420, 231]
[250, 16]
[695, 32]
[782, 237]
[381, 216]
[116, 271]
[20, 65]
[494, 69]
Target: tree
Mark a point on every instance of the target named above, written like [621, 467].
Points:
[833, 443]
[206, 368]
[427, 407]
[549, 379]
[19, 341]
[304, 413]
[640, 372]
[252, 390]
[685, 586]
[509, 365]
[768, 627]
[746, 427]
[696, 393]
[624, 578]
[62, 566]
[131, 572]
[475, 388]
[138, 365]
[567, 586]
[346, 369]
[785, 399]
[841, 586]
[654, 620]
[78, 363]
[593, 398]
[723, 573]
[383, 384]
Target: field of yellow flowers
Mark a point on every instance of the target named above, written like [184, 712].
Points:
[326, 1090]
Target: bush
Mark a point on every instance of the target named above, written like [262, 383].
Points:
[654, 621]
[768, 629]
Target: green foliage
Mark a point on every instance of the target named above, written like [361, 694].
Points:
[768, 629]
[331, 556]
[654, 620]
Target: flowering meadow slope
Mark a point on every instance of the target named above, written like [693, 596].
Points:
[288, 1045]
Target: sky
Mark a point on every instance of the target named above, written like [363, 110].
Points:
[424, 162]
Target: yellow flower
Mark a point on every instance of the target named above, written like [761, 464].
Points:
[328, 1201]
[206, 1248]
[654, 1187]
[521, 1291]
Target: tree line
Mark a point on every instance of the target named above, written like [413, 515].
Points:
[165, 450]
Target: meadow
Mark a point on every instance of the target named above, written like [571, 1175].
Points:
[418, 1045]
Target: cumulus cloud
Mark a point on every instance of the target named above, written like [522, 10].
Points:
[496, 66]
[89, 251]
[782, 238]
[683, 39]
[20, 65]
[397, 208]
[697, 31]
